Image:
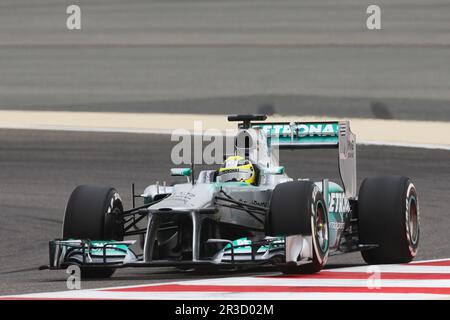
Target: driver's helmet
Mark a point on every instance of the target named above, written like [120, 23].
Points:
[237, 168]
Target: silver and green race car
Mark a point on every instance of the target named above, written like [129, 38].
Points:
[291, 223]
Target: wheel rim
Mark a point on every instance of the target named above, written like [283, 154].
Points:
[113, 224]
[321, 227]
[413, 220]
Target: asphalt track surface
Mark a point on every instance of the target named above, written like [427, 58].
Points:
[311, 57]
[39, 169]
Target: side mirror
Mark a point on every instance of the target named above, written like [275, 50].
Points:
[180, 172]
[274, 170]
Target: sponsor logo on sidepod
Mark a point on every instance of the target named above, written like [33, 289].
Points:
[338, 203]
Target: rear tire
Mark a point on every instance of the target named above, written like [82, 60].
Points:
[94, 213]
[388, 213]
[298, 208]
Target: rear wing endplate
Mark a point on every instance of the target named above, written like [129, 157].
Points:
[308, 135]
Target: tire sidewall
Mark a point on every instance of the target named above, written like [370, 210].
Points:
[320, 255]
[410, 199]
[113, 225]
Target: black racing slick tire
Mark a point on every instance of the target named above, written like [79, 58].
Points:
[94, 213]
[388, 214]
[297, 208]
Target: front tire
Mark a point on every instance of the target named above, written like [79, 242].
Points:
[94, 213]
[388, 213]
[298, 210]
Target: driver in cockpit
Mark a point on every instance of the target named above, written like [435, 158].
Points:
[238, 169]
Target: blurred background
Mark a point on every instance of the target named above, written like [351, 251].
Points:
[209, 56]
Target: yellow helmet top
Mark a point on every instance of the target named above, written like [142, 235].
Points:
[237, 168]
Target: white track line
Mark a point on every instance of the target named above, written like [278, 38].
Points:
[426, 261]
[398, 268]
[296, 283]
[405, 133]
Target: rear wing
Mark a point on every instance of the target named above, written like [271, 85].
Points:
[308, 135]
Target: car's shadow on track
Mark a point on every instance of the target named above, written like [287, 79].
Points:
[173, 274]
[344, 265]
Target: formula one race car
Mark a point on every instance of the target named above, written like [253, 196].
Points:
[247, 213]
